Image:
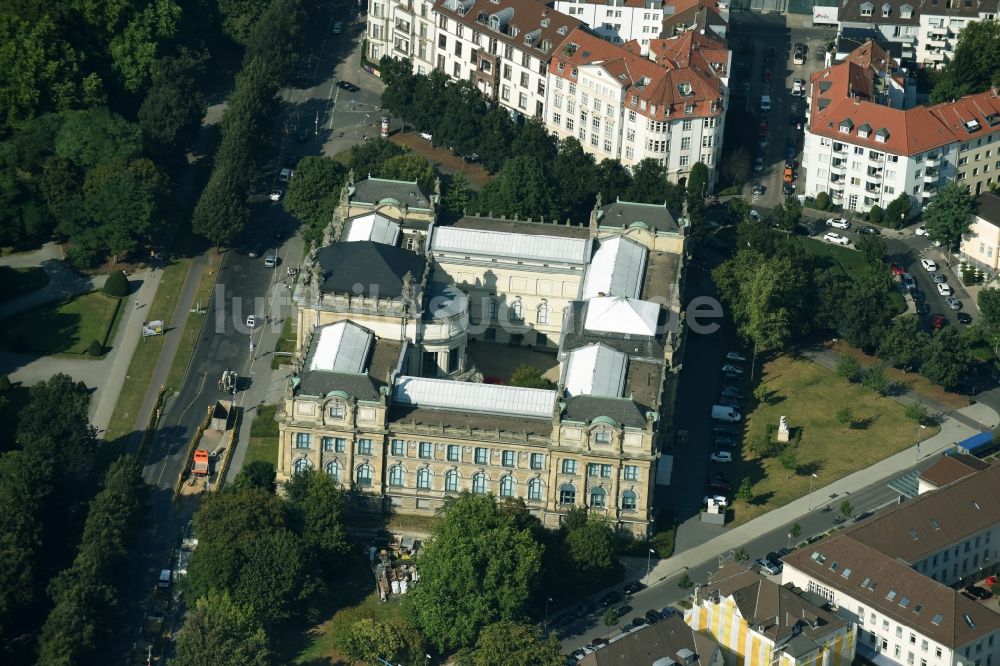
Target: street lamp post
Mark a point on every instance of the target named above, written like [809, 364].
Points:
[811, 477]
[648, 556]
[546, 622]
[920, 427]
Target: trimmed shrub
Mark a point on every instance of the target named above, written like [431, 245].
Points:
[5, 384]
[822, 201]
[95, 348]
[116, 285]
[875, 214]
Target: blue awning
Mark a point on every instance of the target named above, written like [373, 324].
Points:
[970, 444]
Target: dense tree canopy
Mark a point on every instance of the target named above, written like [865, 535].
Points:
[948, 216]
[222, 633]
[973, 66]
[508, 643]
[314, 193]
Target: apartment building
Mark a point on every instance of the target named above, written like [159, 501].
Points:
[697, 15]
[663, 643]
[981, 246]
[942, 21]
[402, 29]
[619, 21]
[386, 395]
[760, 623]
[894, 575]
[622, 106]
[974, 120]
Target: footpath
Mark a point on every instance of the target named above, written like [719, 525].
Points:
[955, 426]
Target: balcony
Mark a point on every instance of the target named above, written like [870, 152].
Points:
[936, 40]
[875, 172]
[873, 187]
[838, 167]
[933, 162]
[931, 176]
[839, 147]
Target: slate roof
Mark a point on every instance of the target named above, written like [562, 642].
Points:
[585, 408]
[540, 30]
[401, 416]
[850, 10]
[375, 190]
[368, 268]
[624, 213]
[988, 208]
[648, 644]
[950, 468]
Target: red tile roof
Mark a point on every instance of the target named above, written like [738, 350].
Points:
[952, 468]
[971, 115]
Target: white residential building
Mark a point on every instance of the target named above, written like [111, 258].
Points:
[402, 29]
[942, 21]
[622, 106]
[619, 21]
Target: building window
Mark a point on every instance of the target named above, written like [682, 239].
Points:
[535, 489]
[597, 498]
[517, 310]
[602, 437]
[537, 460]
[506, 486]
[629, 500]
[451, 481]
[543, 313]
[593, 469]
[824, 592]
[303, 440]
[397, 447]
[606, 471]
[364, 447]
[482, 455]
[337, 410]
[568, 466]
[630, 472]
[479, 483]
[423, 478]
[327, 444]
[301, 465]
[507, 458]
[454, 453]
[567, 494]
[333, 469]
[426, 450]
[364, 475]
[396, 475]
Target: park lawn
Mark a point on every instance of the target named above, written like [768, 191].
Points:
[140, 369]
[263, 443]
[66, 327]
[195, 322]
[849, 261]
[321, 641]
[810, 396]
[910, 380]
[20, 281]
[286, 343]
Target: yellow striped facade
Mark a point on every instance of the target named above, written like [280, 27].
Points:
[742, 645]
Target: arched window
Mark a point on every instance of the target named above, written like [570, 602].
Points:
[451, 481]
[333, 469]
[597, 498]
[302, 465]
[489, 307]
[479, 483]
[364, 475]
[535, 489]
[396, 475]
[629, 500]
[567, 494]
[506, 486]
[543, 313]
[517, 309]
[423, 478]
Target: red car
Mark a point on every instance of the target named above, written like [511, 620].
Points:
[937, 321]
[897, 269]
[767, 75]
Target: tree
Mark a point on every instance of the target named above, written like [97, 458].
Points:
[866, 307]
[697, 185]
[845, 416]
[846, 509]
[745, 492]
[276, 577]
[873, 248]
[529, 377]
[917, 411]
[685, 582]
[411, 167]
[369, 640]
[988, 301]
[591, 547]
[576, 173]
[276, 35]
[368, 158]
[521, 190]
[240, 16]
[874, 378]
[613, 180]
[795, 530]
[897, 211]
[649, 185]
[116, 285]
[222, 211]
[258, 474]
[973, 67]
[318, 509]
[314, 193]
[171, 112]
[736, 166]
[875, 214]
[948, 216]
[221, 632]
[787, 214]
[948, 358]
[789, 459]
[508, 643]
[904, 343]
[97, 136]
[458, 196]
[479, 567]
[822, 201]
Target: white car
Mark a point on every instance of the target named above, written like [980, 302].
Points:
[798, 87]
[754, 215]
[427, 135]
[921, 230]
[837, 238]
[928, 265]
[838, 223]
[721, 457]
[285, 175]
[718, 499]
[251, 321]
[270, 261]
[276, 195]
[945, 289]
[732, 369]
[736, 356]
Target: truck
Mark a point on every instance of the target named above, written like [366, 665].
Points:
[200, 467]
[725, 413]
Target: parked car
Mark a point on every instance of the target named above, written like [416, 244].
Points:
[610, 598]
[938, 278]
[945, 289]
[798, 87]
[868, 229]
[276, 195]
[736, 356]
[908, 283]
[768, 75]
[251, 321]
[767, 567]
[633, 587]
[953, 303]
[427, 135]
[921, 230]
[721, 457]
[754, 215]
[964, 318]
[938, 321]
[978, 592]
[928, 265]
[836, 238]
[730, 401]
[758, 164]
[720, 487]
[718, 499]
[285, 175]
[653, 616]
[735, 369]
[253, 252]
[726, 429]
[271, 260]
[838, 223]
[586, 609]
[338, 27]
[348, 86]
[668, 612]
[621, 612]
[598, 642]
[775, 559]
[897, 269]
[759, 189]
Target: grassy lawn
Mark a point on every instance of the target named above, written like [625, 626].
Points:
[20, 281]
[849, 261]
[192, 329]
[910, 380]
[286, 343]
[263, 437]
[67, 327]
[321, 644]
[810, 396]
[140, 370]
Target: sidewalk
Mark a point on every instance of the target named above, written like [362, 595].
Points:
[63, 280]
[952, 430]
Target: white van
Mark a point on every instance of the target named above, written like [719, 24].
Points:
[725, 413]
[165, 578]
[765, 103]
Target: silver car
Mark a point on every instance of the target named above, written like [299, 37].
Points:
[953, 303]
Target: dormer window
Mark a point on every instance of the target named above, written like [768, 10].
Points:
[684, 88]
[546, 45]
[866, 9]
[864, 131]
[688, 109]
[905, 12]
[971, 126]
[561, 30]
[882, 135]
[545, 22]
[886, 9]
[846, 126]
